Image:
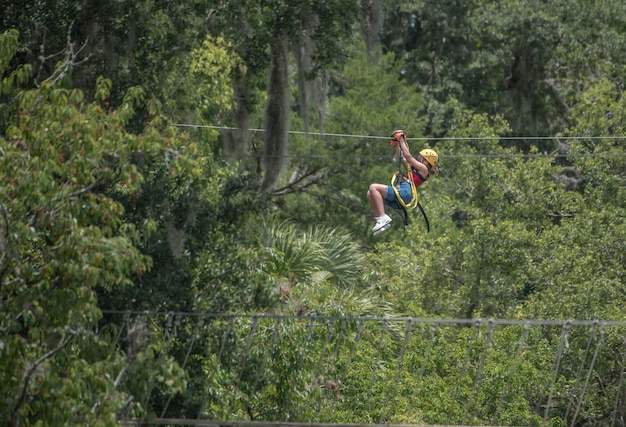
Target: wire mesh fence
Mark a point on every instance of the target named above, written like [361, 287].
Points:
[247, 369]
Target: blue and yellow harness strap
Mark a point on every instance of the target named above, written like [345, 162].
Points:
[412, 204]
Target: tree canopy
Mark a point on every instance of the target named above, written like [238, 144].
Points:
[184, 230]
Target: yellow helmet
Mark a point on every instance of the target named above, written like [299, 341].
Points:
[431, 156]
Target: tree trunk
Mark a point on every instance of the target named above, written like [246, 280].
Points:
[304, 67]
[276, 115]
[236, 143]
[371, 25]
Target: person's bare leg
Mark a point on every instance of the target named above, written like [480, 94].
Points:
[375, 196]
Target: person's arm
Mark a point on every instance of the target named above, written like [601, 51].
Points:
[397, 138]
[408, 157]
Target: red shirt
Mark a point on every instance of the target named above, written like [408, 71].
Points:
[418, 179]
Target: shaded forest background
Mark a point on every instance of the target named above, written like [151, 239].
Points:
[213, 156]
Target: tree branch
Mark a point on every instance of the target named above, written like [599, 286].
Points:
[29, 372]
[292, 185]
[137, 337]
[86, 189]
[4, 232]
[70, 61]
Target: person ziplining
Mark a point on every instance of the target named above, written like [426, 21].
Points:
[401, 194]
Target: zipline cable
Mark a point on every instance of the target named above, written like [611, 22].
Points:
[444, 156]
[431, 139]
[444, 138]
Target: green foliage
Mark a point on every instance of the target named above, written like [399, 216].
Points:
[579, 286]
[599, 158]
[526, 61]
[19, 76]
[94, 216]
[298, 256]
[373, 98]
[229, 280]
[64, 239]
[209, 86]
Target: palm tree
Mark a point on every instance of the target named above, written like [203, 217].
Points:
[320, 271]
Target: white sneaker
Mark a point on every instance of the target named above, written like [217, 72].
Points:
[383, 222]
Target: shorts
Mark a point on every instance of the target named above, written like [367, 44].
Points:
[404, 191]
